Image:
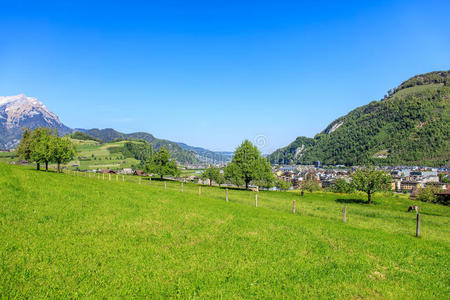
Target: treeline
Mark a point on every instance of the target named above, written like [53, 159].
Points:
[247, 167]
[44, 146]
[438, 77]
[78, 135]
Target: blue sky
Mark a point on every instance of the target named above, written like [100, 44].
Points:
[213, 73]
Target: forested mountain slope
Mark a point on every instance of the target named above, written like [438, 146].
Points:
[409, 126]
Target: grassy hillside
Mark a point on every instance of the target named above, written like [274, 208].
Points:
[94, 155]
[410, 126]
[109, 135]
[67, 236]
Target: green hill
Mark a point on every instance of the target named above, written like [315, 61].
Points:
[410, 126]
[66, 236]
[109, 134]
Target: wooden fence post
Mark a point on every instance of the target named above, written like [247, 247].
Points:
[256, 199]
[418, 225]
[226, 194]
[139, 180]
[344, 217]
[293, 207]
[181, 187]
[109, 176]
[199, 190]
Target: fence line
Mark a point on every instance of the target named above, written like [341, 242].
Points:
[213, 192]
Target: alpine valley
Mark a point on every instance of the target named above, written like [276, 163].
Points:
[17, 112]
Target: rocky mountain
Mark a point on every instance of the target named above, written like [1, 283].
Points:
[409, 126]
[21, 111]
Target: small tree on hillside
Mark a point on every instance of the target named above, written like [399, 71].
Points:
[282, 185]
[24, 148]
[342, 186]
[310, 185]
[370, 180]
[62, 151]
[220, 179]
[248, 165]
[161, 163]
[211, 173]
[427, 194]
[40, 146]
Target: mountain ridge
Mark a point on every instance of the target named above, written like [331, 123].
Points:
[21, 111]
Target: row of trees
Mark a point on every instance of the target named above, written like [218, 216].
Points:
[248, 166]
[44, 146]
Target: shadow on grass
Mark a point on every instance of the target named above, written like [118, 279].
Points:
[357, 201]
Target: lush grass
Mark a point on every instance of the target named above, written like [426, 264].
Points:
[93, 155]
[69, 236]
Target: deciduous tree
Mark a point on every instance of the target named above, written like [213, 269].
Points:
[370, 180]
[161, 163]
[62, 151]
[211, 173]
[248, 165]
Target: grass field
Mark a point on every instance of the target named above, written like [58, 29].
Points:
[67, 236]
[93, 155]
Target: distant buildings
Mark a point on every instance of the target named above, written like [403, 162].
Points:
[404, 179]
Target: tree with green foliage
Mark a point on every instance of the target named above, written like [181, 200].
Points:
[342, 186]
[309, 185]
[41, 146]
[248, 165]
[24, 148]
[443, 178]
[62, 151]
[427, 194]
[220, 179]
[282, 185]
[370, 180]
[212, 174]
[161, 163]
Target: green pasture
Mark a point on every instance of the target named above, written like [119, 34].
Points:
[77, 236]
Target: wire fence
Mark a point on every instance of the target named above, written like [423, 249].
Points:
[280, 201]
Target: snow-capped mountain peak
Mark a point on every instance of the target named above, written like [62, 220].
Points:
[21, 111]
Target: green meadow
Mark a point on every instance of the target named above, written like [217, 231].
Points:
[73, 236]
[93, 155]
